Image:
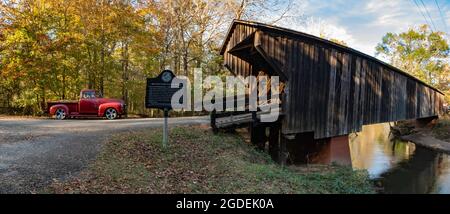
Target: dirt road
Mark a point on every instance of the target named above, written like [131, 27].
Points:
[33, 152]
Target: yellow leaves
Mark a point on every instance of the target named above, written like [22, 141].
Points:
[60, 46]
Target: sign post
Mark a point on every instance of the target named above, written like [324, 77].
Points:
[159, 94]
[165, 128]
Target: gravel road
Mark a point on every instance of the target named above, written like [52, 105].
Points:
[33, 152]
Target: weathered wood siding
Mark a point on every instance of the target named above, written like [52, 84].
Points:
[235, 64]
[333, 90]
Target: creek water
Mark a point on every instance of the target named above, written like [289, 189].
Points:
[399, 166]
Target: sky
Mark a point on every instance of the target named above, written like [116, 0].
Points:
[362, 23]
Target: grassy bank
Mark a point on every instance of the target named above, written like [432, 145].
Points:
[442, 129]
[198, 161]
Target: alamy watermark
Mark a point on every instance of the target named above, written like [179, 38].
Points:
[214, 93]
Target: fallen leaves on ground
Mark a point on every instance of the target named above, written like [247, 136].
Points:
[197, 161]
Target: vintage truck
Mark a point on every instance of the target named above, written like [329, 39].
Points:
[90, 104]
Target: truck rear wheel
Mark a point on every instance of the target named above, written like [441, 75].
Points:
[60, 114]
[111, 114]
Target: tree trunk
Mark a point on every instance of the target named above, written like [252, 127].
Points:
[102, 56]
[185, 63]
[125, 72]
[102, 72]
[64, 83]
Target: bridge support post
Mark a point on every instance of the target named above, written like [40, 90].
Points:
[258, 136]
[285, 149]
[274, 141]
[337, 151]
[303, 148]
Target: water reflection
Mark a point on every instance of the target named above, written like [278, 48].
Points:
[443, 181]
[400, 166]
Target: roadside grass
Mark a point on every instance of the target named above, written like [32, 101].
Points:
[197, 161]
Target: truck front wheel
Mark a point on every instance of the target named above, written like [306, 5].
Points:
[60, 114]
[111, 114]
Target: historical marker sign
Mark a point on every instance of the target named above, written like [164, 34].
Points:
[159, 91]
[159, 95]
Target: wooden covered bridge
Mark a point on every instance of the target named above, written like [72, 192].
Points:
[330, 90]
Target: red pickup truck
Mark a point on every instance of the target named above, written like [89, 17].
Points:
[91, 104]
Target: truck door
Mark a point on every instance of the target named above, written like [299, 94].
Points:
[88, 103]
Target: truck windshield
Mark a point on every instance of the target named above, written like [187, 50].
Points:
[91, 95]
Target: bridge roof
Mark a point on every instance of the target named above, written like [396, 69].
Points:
[297, 34]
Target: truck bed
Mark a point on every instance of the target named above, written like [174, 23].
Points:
[71, 104]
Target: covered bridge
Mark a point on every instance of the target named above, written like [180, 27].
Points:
[330, 89]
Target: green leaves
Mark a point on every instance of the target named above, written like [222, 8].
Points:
[420, 52]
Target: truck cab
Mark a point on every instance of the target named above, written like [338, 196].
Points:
[89, 101]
